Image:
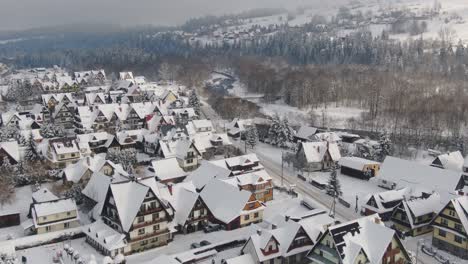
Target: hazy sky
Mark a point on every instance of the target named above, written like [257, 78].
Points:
[20, 14]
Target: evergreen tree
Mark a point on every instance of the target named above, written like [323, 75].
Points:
[194, 102]
[31, 150]
[386, 146]
[252, 137]
[50, 130]
[333, 188]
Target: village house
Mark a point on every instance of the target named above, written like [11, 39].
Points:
[289, 236]
[63, 115]
[305, 134]
[126, 76]
[167, 171]
[259, 183]
[364, 240]
[231, 207]
[402, 173]
[449, 161]
[50, 214]
[62, 152]
[82, 171]
[317, 156]
[240, 164]
[206, 173]
[95, 143]
[134, 209]
[9, 150]
[359, 167]
[413, 216]
[451, 228]
[185, 151]
[191, 212]
[384, 203]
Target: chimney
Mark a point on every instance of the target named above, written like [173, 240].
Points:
[169, 187]
[286, 218]
[259, 232]
[88, 161]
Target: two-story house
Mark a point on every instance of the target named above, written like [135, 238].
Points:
[355, 242]
[240, 164]
[451, 228]
[259, 183]
[414, 216]
[384, 203]
[54, 215]
[317, 156]
[134, 209]
[185, 151]
[62, 152]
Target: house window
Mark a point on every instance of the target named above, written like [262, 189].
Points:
[141, 231]
[66, 225]
[141, 219]
[444, 222]
[153, 205]
[44, 218]
[144, 243]
[68, 213]
[155, 216]
[155, 227]
[458, 239]
[190, 161]
[458, 227]
[442, 233]
[256, 215]
[47, 228]
[451, 213]
[246, 217]
[154, 240]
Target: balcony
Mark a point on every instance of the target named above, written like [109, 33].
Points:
[147, 223]
[149, 211]
[149, 235]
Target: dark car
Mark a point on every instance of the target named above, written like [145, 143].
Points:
[211, 228]
[205, 243]
[194, 245]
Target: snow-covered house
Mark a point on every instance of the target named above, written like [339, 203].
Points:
[330, 137]
[414, 216]
[422, 177]
[63, 114]
[230, 206]
[359, 167]
[384, 203]
[167, 171]
[238, 127]
[62, 152]
[200, 126]
[9, 150]
[449, 161]
[54, 215]
[317, 156]
[206, 173]
[305, 134]
[191, 213]
[91, 99]
[96, 143]
[240, 164]
[211, 144]
[126, 76]
[134, 209]
[259, 183]
[185, 151]
[183, 115]
[364, 240]
[451, 228]
[82, 171]
[242, 259]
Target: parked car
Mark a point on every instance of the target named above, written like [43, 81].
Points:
[194, 245]
[205, 243]
[212, 228]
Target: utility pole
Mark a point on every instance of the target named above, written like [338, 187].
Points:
[282, 168]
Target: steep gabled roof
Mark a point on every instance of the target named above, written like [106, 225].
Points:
[128, 197]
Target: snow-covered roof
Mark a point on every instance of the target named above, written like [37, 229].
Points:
[203, 124]
[244, 160]
[368, 234]
[251, 178]
[331, 137]
[451, 161]
[224, 200]
[106, 236]
[67, 147]
[243, 259]
[126, 75]
[417, 207]
[315, 151]
[43, 195]
[167, 169]
[207, 172]
[204, 141]
[128, 197]
[184, 204]
[306, 132]
[356, 162]
[54, 207]
[12, 148]
[412, 174]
